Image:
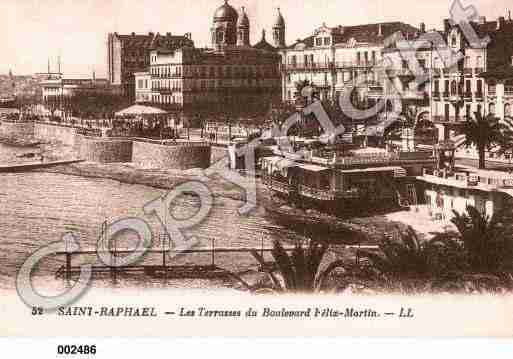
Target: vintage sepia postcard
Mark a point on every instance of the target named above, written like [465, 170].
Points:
[255, 168]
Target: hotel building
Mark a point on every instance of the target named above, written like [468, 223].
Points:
[233, 74]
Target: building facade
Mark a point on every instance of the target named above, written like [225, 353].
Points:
[128, 54]
[232, 74]
[333, 58]
[443, 77]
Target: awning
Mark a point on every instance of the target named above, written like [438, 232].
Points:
[140, 110]
[373, 169]
[312, 168]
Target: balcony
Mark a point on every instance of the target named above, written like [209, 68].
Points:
[445, 94]
[414, 95]
[479, 95]
[436, 95]
[468, 72]
[508, 91]
[437, 72]
[316, 193]
[311, 66]
[478, 70]
[277, 186]
[467, 95]
[352, 64]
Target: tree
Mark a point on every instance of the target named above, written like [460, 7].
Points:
[483, 132]
[485, 240]
[300, 270]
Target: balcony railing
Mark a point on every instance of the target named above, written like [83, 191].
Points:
[415, 95]
[437, 72]
[508, 91]
[468, 72]
[478, 70]
[316, 193]
[277, 186]
[479, 95]
[351, 64]
[307, 66]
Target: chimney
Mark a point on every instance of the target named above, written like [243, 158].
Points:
[422, 27]
[133, 33]
[168, 34]
[482, 20]
[151, 34]
[380, 30]
[447, 25]
[500, 23]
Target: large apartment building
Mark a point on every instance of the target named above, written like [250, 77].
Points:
[128, 54]
[335, 57]
[232, 74]
[456, 75]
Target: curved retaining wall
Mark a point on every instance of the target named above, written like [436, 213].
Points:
[103, 150]
[55, 133]
[16, 131]
[175, 156]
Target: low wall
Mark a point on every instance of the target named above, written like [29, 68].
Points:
[100, 150]
[54, 133]
[175, 156]
[16, 130]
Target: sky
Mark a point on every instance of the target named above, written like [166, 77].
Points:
[31, 31]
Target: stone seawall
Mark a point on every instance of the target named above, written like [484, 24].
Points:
[55, 133]
[103, 150]
[16, 131]
[173, 156]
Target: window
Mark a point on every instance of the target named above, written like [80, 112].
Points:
[467, 87]
[454, 88]
[480, 86]
[467, 111]
[404, 64]
[327, 41]
[373, 57]
[479, 62]
[318, 41]
[140, 84]
[507, 110]
[492, 109]
[454, 41]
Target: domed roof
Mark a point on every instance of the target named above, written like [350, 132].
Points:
[243, 18]
[226, 13]
[264, 45]
[280, 21]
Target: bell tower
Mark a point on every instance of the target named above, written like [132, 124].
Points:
[243, 29]
[279, 31]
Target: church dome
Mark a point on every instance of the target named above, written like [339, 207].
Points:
[226, 13]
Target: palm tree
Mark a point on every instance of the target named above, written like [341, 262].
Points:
[300, 269]
[483, 132]
[485, 240]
